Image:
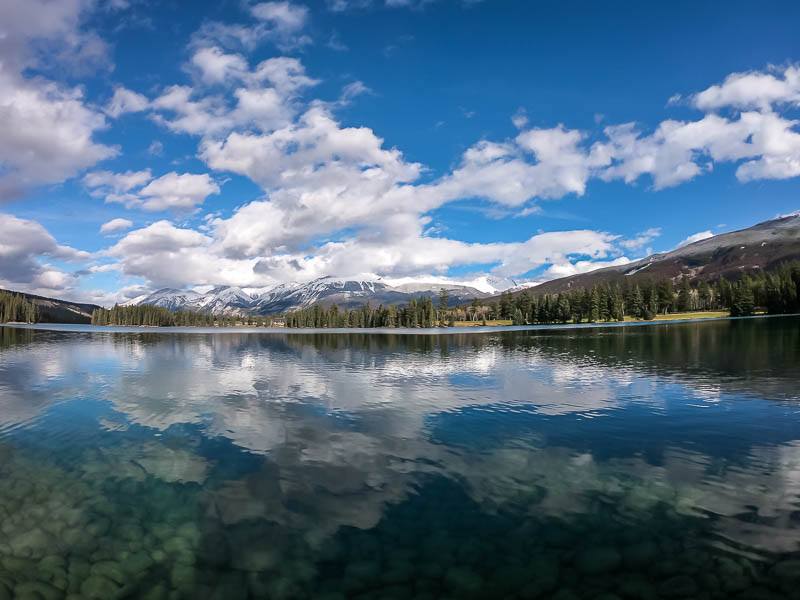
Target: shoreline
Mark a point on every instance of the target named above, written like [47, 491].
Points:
[72, 328]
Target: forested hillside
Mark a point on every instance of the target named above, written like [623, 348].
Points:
[777, 292]
[16, 308]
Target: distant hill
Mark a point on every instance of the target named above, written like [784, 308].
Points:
[729, 255]
[52, 310]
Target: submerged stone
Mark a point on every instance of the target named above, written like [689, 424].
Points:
[463, 579]
[680, 586]
[598, 560]
[99, 587]
[786, 569]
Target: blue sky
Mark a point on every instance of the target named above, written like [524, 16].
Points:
[144, 145]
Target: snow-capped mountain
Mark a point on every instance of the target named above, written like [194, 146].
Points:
[169, 298]
[346, 293]
[225, 300]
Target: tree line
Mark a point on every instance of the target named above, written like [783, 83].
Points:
[775, 292]
[417, 313]
[17, 308]
[144, 315]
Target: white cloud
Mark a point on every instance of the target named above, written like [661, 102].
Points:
[695, 237]
[338, 201]
[679, 151]
[156, 148]
[520, 118]
[538, 163]
[115, 225]
[641, 239]
[25, 247]
[281, 23]
[566, 268]
[138, 189]
[126, 101]
[753, 89]
[346, 5]
[353, 90]
[283, 16]
[264, 99]
[166, 255]
[41, 122]
[217, 66]
[46, 134]
[104, 182]
[177, 191]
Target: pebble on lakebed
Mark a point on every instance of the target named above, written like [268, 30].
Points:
[134, 521]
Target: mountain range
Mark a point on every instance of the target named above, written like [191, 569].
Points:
[346, 293]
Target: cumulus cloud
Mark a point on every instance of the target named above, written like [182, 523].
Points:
[103, 182]
[126, 101]
[641, 239]
[166, 255]
[46, 134]
[338, 200]
[25, 248]
[263, 98]
[177, 191]
[752, 89]
[566, 268]
[280, 23]
[282, 16]
[346, 5]
[538, 163]
[695, 237]
[41, 122]
[216, 66]
[138, 189]
[679, 151]
[115, 225]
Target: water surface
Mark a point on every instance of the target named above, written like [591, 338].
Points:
[638, 462]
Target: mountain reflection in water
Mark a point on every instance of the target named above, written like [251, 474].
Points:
[639, 462]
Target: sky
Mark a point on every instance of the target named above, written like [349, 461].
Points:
[148, 144]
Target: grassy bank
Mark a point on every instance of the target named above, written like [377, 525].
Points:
[704, 314]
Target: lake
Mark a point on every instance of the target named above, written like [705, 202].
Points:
[643, 462]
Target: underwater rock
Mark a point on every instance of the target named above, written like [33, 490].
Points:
[171, 465]
[255, 556]
[34, 543]
[183, 577]
[640, 554]
[98, 587]
[786, 569]
[137, 563]
[637, 587]
[541, 575]
[37, 589]
[110, 570]
[463, 580]
[598, 560]
[213, 550]
[157, 592]
[680, 586]
[565, 594]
